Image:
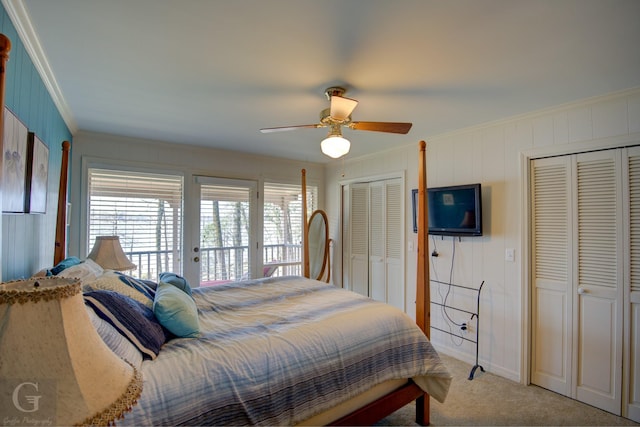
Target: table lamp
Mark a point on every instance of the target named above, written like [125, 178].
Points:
[54, 367]
[108, 254]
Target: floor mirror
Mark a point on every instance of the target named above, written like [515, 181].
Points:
[319, 246]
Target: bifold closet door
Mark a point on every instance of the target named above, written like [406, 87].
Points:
[377, 274]
[632, 292]
[374, 257]
[394, 243]
[577, 293]
[598, 286]
[552, 304]
[386, 267]
[358, 232]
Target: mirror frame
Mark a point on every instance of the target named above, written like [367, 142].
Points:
[325, 256]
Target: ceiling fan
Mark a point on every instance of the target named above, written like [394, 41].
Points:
[337, 116]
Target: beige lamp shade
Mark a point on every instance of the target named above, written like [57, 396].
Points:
[54, 367]
[108, 254]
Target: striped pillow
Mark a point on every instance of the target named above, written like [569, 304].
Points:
[118, 282]
[131, 318]
[115, 340]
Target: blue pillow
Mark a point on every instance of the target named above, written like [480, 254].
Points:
[177, 281]
[63, 265]
[176, 311]
[131, 318]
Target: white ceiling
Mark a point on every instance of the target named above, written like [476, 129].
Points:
[213, 72]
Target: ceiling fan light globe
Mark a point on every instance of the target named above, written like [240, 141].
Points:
[335, 146]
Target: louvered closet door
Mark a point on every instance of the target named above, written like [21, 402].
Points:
[374, 236]
[386, 272]
[577, 266]
[632, 292]
[598, 291]
[552, 275]
[394, 259]
[377, 273]
[359, 238]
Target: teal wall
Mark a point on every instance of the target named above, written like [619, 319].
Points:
[28, 239]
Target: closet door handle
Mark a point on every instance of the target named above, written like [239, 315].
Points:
[582, 291]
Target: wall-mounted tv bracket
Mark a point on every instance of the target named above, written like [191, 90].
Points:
[476, 315]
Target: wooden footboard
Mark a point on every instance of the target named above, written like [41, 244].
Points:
[386, 405]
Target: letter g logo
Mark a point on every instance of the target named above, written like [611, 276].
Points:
[32, 400]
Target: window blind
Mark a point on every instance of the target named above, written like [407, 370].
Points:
[282, 224]
[144, 210]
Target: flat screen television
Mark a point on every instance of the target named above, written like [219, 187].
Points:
[455, 210]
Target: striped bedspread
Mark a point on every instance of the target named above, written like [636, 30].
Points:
[277, 351]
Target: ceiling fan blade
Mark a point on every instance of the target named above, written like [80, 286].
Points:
[391, 127]
[341, 108]
[285, 128]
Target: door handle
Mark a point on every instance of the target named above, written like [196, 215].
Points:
[582, 291]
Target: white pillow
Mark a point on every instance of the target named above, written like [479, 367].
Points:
[86, 271]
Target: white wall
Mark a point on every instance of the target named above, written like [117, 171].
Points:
[494, 154]
[188, 160]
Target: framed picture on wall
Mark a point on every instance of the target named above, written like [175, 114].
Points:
[37, 175]
[14, 164]
[414, 205]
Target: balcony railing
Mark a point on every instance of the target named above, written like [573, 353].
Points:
[219, 264]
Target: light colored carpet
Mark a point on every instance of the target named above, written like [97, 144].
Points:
[490, 400]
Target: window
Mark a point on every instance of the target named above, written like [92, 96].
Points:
[282, 227]
[145, 211]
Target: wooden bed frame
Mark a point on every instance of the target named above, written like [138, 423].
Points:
[409, 392]
[387, 404]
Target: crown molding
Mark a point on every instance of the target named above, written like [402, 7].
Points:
[21, 20]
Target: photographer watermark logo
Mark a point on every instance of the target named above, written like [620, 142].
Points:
[27, 402]
[32, 400]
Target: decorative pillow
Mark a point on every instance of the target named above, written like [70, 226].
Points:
[140, 285]
[86, 271]
[150, 284]
[114, 281]
[120, 345]
[177, 281]
[64, 264]
[176, 311]
[132, 319]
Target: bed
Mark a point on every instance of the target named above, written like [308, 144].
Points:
[273, 351]
[270, 351]
[279, 351]
[282, 351]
